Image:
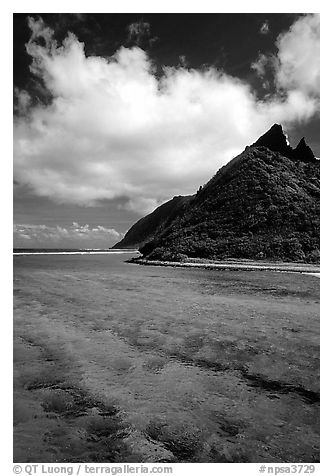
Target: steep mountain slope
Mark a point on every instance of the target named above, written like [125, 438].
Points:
[149, 226]
[262, 204]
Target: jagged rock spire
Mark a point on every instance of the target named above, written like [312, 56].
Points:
[275, 140]
[303, 152]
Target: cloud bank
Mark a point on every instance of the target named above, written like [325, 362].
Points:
[31, 236]
[115, 129]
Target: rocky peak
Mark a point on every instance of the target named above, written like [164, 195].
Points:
[303, 152]
[275, 140]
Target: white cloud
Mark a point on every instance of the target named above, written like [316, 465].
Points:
[140, 205]
[298, 56]
[264, 29]
[56, 236]
[183, 61]
[138, 30]
[114, 129]
[23, 101]
[263, 63]
[296, 66]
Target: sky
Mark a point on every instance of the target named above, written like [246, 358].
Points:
[116, 113]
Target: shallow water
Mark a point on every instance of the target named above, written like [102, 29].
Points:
[120, 362]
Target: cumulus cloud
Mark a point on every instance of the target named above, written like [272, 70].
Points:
[114, 129]
[29, 236]
[298, 56]
[296, 66]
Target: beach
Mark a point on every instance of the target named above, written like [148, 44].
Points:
[116, 362]
[236, 265]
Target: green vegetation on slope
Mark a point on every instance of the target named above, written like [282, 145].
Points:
[146, 228]
[264, 204]
[260, 205]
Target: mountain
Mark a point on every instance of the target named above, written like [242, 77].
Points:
[147, 227]
[275, 140]
[264, 204]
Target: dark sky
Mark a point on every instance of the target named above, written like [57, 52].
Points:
[228, 41]
[62, 159]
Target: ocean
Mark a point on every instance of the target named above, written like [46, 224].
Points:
[119, 362]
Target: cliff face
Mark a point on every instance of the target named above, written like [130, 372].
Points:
[264, 204]
[147, 227]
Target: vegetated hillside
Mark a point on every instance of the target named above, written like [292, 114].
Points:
[261, 205]
[147, 227]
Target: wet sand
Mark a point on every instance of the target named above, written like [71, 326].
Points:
[115, 362]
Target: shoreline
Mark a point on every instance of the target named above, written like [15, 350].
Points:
[83, 252]
[235, 265]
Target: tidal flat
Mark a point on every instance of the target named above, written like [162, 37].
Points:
[115, 362]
